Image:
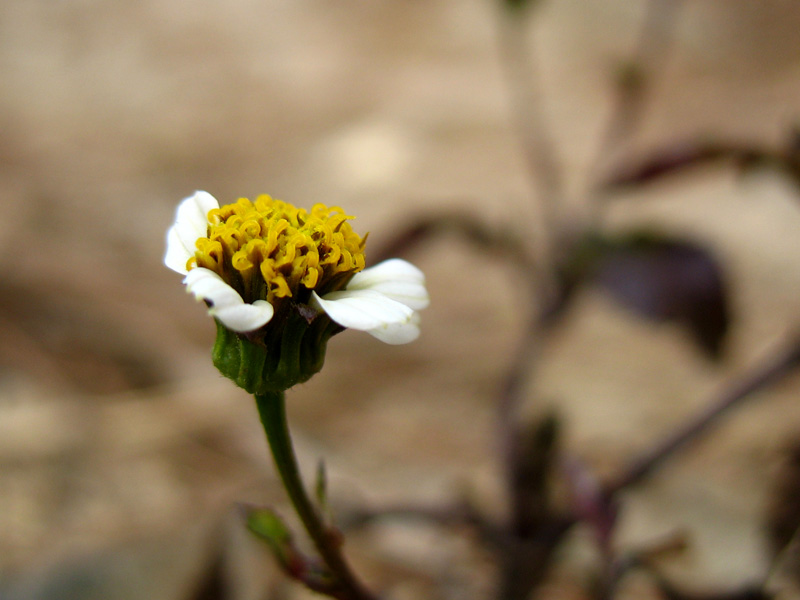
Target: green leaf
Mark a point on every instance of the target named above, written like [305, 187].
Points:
[321, 487]
[268, 526]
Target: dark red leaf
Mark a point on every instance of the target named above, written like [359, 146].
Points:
[666, 279]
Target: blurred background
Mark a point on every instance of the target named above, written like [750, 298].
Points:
[123, 453]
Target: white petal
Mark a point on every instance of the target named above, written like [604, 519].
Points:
[226, 303]
[177, 254]
[370, 311]
[395, 278]
[244, 317]
[191, 223]
[362, 309]
[207, 285]
[398, 333]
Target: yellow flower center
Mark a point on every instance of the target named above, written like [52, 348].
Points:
[268, 249]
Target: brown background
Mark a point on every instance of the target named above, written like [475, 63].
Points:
[121, 450]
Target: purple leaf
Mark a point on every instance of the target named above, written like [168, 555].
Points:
[664, 279]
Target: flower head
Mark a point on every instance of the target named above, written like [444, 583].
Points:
[267, 270]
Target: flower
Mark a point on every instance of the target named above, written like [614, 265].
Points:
[254, 262]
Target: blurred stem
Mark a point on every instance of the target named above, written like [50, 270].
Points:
[526, 552]
[649, 55]
[272, 410]
[772, 370]
[633, 79]
[530, 346]
[528, 120]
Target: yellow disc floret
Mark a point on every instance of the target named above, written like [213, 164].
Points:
[268, 249]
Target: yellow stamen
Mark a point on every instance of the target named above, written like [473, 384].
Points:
[269, 249]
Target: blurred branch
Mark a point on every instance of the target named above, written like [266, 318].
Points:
[529, 123]
[480, 235]
[634, 75]
[677, 157]
[524, 562]
[534, 337]
[537, 448]
[768, 372]
[643, 558]
[526, 543]
[535, 529]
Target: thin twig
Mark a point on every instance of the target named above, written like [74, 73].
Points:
[768, 372]
[529, 348]
[528, 120]
[649, 55]
[528, 548]
[525, 553]
[677, 157]
[484, 238]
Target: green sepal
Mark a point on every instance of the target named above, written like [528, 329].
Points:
[289, 350]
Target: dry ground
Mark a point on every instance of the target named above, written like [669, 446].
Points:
[122, 453]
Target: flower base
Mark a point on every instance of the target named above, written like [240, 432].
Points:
[286, 352]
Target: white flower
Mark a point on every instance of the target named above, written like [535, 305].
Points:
[382, 300]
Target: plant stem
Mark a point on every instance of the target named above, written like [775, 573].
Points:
[530, 123]
[773, 369]
[651, 52]
[272, 410]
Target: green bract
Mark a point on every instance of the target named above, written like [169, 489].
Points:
[291, 352]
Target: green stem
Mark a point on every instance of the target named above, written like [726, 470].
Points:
[272, 410]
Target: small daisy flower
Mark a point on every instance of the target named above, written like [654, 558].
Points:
[266, 268]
